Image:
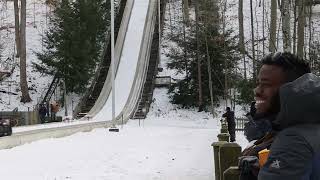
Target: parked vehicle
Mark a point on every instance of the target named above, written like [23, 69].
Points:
[6, 125]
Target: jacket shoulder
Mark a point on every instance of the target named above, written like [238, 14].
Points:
[291, 156]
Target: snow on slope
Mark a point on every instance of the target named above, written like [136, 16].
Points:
[37, 14]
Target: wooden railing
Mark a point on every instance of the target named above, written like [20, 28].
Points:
[240, 122]
[226, 155]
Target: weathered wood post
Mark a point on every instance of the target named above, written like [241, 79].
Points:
[216, 147]
[228, 156]
[223, 137]
[224, 128]
[232, 173]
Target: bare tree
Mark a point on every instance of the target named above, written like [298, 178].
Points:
[17, 26]
[170, 19]
[200, 100]
[186, 11]
[23, 74]
[301, 25]
[254, 72]
[184, 40]
[294, 35]
[263, 26]
[311, 35]
[285, 13]
[214, 16]
[273, 26]
[241, 37]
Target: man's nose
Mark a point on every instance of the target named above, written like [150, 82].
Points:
[257, 91]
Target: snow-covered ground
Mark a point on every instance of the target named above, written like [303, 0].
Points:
[171, 143]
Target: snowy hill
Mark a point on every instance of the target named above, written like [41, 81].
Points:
[37, 22]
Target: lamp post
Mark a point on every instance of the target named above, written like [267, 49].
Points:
[113, 128]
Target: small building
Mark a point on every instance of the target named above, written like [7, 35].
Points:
[163, 81]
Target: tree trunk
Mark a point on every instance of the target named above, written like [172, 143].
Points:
[241, 37]
[254, 72]
[170, 20]
[301, 25]
[210, 78]
[200, 101]
[285, 12]
[216, 25]
[294, 35]
[273, 26]
[310, 36]
[17, 26]
[23, 74]
[263, 26]
[186, 11]
[215, 17]
[184, 46]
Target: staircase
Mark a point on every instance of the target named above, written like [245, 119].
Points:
[146, 96]
[93, 92]
[51, 89]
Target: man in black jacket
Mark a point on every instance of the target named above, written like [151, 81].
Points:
[283, 81]
[295, 152]
[229, 115]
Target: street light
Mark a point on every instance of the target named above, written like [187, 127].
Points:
[113, 127]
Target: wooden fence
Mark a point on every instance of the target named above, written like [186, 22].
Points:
[240, 122]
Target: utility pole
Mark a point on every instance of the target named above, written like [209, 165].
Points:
[65, 98]
[113, 128]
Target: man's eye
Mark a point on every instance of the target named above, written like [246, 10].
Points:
[264, 85]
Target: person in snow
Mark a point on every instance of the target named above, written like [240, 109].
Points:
[287, 97]
[54, 106]
[42, 113]
[252, 111]
[229, 115]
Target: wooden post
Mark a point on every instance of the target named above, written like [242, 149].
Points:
[228, 156]
[232, 173]
[224, 129]
[216, 147]
[223, 137]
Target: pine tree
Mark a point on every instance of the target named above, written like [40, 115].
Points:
[185, 91]
[74, 41]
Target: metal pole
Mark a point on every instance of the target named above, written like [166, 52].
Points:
[112, 61]
[65, 98]
[159, 30]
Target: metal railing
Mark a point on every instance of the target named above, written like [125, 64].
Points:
[240, 122]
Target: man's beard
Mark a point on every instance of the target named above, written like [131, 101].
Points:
[274, 104]
[273, 109]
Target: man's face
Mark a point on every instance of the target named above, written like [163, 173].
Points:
[270, 78]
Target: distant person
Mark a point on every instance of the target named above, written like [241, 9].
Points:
[253, 108]
[252, 111]
[54, 106]
[229, 115]
[42, 113]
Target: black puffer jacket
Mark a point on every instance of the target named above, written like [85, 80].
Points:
[295, 153]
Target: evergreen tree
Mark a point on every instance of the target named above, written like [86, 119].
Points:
[221, 47]
[74, 41]
[245, 88]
